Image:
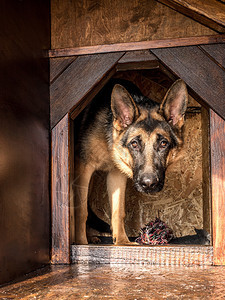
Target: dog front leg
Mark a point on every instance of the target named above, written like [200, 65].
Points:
[81, 185]
[116, 185]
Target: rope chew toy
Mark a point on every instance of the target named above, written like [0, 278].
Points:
[155, 233]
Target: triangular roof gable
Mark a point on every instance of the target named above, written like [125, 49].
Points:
[80, 78]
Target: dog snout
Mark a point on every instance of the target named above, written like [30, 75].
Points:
[149, 183]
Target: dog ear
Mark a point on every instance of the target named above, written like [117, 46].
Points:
[174, 104]
[123, 107]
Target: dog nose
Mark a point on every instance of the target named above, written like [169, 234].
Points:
[149, 182]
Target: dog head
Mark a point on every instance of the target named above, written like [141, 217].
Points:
[147, 136]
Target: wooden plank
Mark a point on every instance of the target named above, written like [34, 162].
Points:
[217, 132]
[91, 23]
[77, 81]
[58, 65]
[168, 255]
[137, 56]
[210, 12]
[134, 46]
[217, 52]
[80, 105]
[61, 192]
[201, 74]
[137, 60]
[206, 175]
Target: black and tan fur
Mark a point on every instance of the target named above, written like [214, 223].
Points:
[127, 135]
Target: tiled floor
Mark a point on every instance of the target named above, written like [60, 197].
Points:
[120, 282]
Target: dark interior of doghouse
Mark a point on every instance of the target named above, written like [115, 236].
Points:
[184, 202]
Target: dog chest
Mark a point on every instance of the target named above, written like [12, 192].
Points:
[99, 154]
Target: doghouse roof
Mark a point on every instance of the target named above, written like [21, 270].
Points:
[77, 77]
[202, 68]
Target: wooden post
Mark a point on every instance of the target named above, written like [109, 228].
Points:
[217, 134]
[206, 175]
[61, 192]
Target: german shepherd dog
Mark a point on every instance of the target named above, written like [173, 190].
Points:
[127, 135]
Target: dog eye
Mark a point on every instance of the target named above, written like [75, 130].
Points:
[134, 144]
[163, 144]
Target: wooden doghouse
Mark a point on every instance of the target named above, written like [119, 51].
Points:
[90, 42]
[78, 74]
[81, 78]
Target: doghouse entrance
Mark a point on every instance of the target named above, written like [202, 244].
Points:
[195, 184]
[183, 203]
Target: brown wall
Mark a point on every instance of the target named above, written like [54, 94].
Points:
[24, 137]
[87, 23]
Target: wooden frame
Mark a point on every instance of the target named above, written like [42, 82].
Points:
[65, 105]
[217, 143]
[134, 46]
[61, 173]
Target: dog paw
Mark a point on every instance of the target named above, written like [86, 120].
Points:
[94, 240]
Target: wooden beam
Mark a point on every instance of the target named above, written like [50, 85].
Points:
[137, 60]
[61, 192]
[58, 65]
[209, 13]
[194, 67]
[169, 255]
[206, 172]
[216, 52]
[77, 81]
[80, 105]
[176, 42]
[217, 132]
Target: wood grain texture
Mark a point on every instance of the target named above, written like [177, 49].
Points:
[137, 60]
[59, 65]
[194, 67]
[206, 176]
[61, 192]
[149, 255]
[210, 13]
[120, 281]
[134, 46]
[80, 105]
[217, 132]
[216, 52]
[77, 81]
[24, 137]
[89, 23]
[137, 56]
